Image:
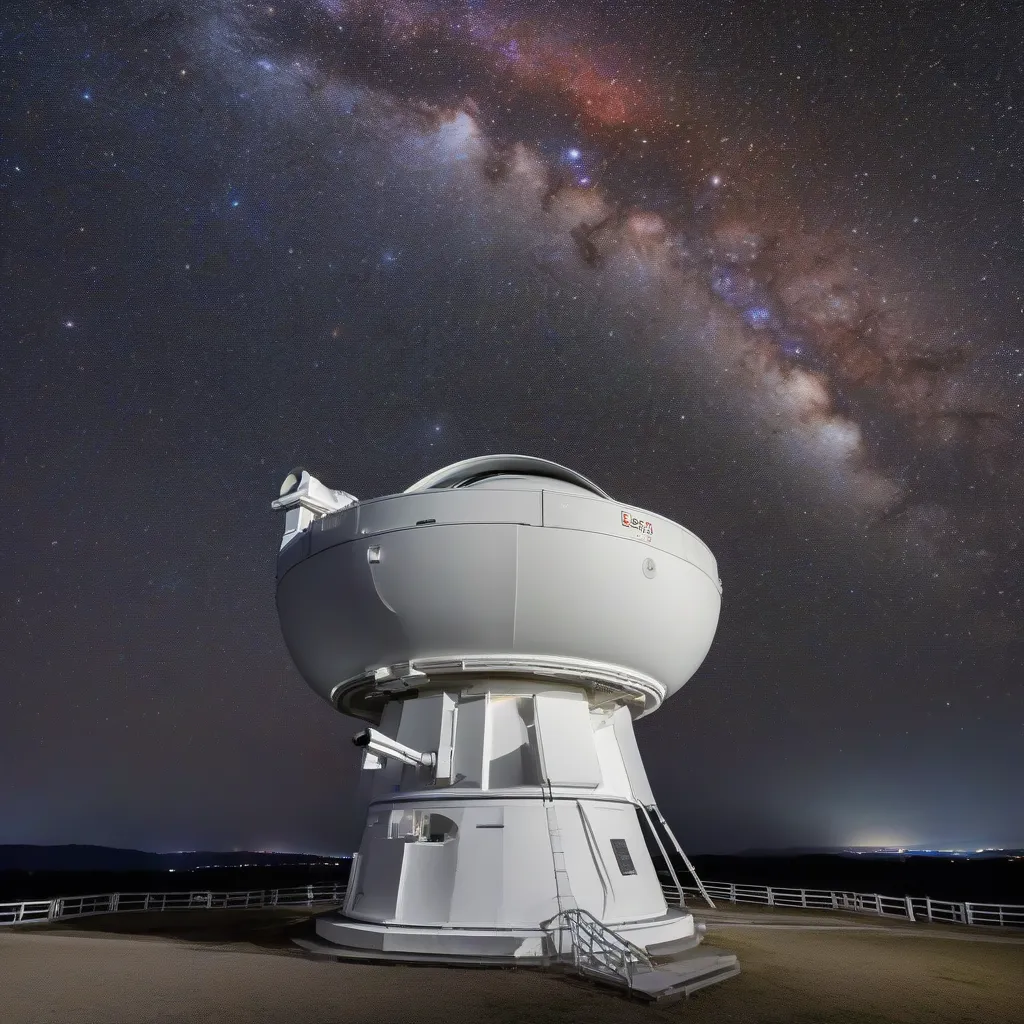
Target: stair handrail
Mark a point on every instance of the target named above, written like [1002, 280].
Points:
[601, 949]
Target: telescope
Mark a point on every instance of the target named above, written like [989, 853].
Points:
[499, 626]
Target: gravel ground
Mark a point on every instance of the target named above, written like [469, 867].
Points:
[203, 973]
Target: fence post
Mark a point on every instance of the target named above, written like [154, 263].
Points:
[803, 898]
[54, 911]
[273, 898]
[970, 913]
[309, 893]
[209, 900]
[878, 904]
[928, 906]
[910, 908]
[771, 896]
[963, 913]
[835, 902]
[732, 892]
[115, 898]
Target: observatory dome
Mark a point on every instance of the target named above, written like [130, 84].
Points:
[504, 564]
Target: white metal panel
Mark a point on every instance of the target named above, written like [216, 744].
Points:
[470, 719]
[477, 893]
[387, 779]
[380, 872]
[614, 779]
[449, 585]
[528, 873]
[633, 763]
[587, 595]
[585, 876]
[508, 745]
[422, 508]
[428, 882]
[565, 740]
[585, 512]
[446, 740]
[636, 896]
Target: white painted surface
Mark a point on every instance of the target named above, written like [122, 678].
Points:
[630, 752]
[566, 740]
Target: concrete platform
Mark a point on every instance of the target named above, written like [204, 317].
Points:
[675, 931]
[683, 965]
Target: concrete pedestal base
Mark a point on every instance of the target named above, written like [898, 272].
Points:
[676, 928]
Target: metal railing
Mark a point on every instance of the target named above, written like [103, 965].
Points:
[910, 908]
[65, 907]
[598, 950]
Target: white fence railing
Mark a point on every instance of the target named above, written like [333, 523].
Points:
[65, 907]
[911, 908]
[907, 907]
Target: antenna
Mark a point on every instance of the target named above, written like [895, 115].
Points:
[498, 626]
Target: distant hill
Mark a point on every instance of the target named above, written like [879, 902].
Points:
[77, 857]
[872, 851]
[788, 851]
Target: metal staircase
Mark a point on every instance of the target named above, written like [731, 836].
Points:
[600, 952]
[593, 948]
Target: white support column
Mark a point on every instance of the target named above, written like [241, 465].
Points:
[910, 908]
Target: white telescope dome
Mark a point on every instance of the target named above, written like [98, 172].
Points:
[501, 562]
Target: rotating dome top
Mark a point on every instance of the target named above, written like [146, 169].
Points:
[494, 468]
[505, 565]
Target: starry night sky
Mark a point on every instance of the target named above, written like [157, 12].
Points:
[756, 266]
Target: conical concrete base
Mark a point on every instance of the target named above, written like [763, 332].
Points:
[674, 930]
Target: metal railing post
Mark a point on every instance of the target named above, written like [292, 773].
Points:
[835, 901]
[928, 907]
[771, 896]
[664, 853]
[803, 898]
[910, 908]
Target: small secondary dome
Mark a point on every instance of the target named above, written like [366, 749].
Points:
[506, 469]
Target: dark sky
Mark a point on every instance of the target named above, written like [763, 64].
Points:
[757, 269]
